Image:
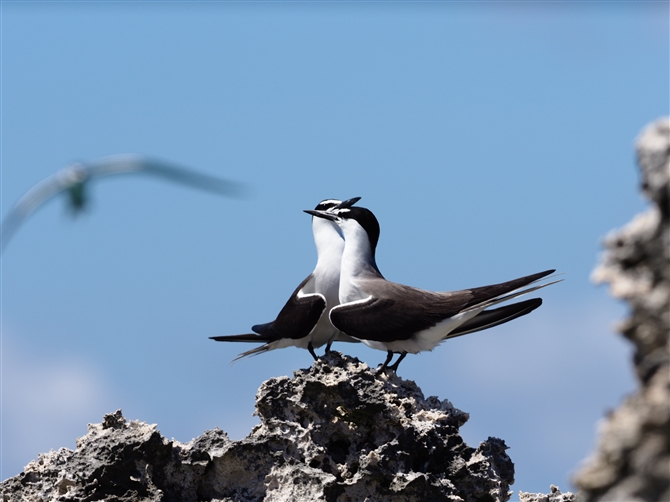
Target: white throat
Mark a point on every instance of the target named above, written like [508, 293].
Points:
[329, 244]
[329, 247]
[357, 260]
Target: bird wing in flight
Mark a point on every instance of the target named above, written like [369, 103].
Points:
[79, 174]
[126, 164]
[38, 195]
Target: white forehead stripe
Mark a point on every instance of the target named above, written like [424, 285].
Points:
[328, 202]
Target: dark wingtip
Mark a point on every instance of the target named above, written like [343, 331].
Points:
[533, 303]
[540, 275]
[263, 329]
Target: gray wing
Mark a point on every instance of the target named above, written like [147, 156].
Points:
[400, 311]
[495, 317]
[38, 195]
[297, 318]
[396, 317]
[117, 164]
[128, 164]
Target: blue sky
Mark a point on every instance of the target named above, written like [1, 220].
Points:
[492, 140]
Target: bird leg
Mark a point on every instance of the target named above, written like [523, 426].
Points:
[389, 356]
[311, 351]
[394, 366]
[330, 344]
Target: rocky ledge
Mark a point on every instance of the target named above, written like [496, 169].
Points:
[338, 431]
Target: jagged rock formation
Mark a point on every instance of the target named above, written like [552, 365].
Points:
[632, 460]
[337, 431]
[554, 496]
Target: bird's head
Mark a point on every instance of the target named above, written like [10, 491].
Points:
[352, 220]
[327, 234]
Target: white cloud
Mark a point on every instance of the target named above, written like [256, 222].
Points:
[45, 403]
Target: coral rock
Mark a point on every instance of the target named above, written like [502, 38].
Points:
[555, 495]
[337, 431]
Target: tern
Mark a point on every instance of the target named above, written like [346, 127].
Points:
[401, 319]
[303, 322]
[75, 178]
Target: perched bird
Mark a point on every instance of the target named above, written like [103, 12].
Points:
[75, 179]
[304, 322]
[402, 319]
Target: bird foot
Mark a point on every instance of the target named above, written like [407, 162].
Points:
[384, 370]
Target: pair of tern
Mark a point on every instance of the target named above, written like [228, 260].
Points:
[346, 298]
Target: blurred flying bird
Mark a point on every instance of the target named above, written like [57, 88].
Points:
[401, 319]
[75, 179]
[303, 322]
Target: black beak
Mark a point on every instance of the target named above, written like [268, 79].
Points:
[322, 214]
[347, 203]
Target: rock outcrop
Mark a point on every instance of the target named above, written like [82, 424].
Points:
[340, 431]
[632, 460]
[337, 431]
[554, 495]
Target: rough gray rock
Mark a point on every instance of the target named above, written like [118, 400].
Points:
[337, 431]
[632, 460]
[554, 496]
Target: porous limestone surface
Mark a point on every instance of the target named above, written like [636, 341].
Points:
[338, 431]
[554, 495]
